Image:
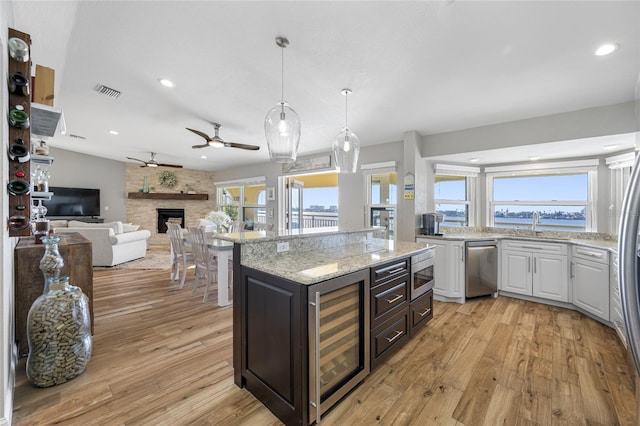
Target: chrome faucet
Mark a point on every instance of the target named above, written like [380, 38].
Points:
[535, 221]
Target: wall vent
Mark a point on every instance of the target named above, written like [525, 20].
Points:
[108, 91]
[71, 135]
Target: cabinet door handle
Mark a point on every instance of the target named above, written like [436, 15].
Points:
[393, 271]
[395, 299]
[571, 270]
[395, 336]
[461, 254]
[426, 312]
[528, 264]
[532, 247]
[535, 261]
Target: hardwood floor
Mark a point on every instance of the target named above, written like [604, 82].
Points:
[160, 356]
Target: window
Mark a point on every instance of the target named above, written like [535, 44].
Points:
[243, 200]
[453, 192]
[561, 194]
[381, 182]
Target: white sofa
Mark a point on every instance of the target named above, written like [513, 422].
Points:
[110, 241]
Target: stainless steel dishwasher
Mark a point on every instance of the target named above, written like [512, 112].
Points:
[481, 276]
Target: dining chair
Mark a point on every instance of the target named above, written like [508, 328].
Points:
[206, 263]
[182, 254]
[236, 226]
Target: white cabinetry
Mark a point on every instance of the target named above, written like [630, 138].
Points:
[615, 306]
[448, 269]
[590, 279]
[535, 269]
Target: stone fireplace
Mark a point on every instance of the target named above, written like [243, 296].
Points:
[166, 216]
[145, 210]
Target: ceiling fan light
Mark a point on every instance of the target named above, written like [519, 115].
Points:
[346, 150]
[152, 165]
[283, 135]
[216, 144]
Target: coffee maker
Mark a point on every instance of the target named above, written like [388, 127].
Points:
[431, 223]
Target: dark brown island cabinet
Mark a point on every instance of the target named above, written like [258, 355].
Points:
[303, 347]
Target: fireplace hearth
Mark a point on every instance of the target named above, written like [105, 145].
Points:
[169, 216]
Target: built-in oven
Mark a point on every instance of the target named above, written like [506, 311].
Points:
[422, 278]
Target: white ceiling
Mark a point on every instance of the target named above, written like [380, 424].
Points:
[426, 66]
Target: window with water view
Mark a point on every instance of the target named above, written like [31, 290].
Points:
[562, 201]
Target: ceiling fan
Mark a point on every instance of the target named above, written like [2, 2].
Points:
[218, 142]
[154, 163]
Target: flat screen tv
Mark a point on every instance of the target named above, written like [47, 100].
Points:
[73, 202]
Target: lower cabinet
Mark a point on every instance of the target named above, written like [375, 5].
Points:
[590, 279]
[449, 268]
[535, 269]
[615, 305]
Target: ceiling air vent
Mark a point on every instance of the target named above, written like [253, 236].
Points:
[46, 120]
[71, 135]
[108, 91]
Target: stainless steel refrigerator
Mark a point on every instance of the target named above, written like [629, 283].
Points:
[629, 270]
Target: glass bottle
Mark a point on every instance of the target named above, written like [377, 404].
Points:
[59, 334]
[42, 148]
[51, 263]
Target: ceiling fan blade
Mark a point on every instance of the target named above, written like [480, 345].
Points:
[199, 133]
[242, 146]
[135, 159]
[170, 165]
[206, 145]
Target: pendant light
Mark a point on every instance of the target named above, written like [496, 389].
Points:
[346, 146]
[282, 124]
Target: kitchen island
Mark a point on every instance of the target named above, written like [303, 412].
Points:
[310, 321]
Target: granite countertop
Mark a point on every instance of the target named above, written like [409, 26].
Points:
[248, 236]
[610, 245]
[311, 267]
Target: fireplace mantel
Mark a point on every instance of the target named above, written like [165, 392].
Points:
[165, 196]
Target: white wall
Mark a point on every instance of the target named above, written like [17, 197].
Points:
[72, 169]
[600, 121]
[7, 358]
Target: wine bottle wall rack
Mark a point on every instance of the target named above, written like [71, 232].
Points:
[19, 220]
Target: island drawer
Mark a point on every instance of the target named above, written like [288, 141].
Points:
[421, 311]
[389, 336]
[388, 298]
[388, 271]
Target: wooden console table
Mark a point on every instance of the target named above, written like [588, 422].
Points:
[29, 281]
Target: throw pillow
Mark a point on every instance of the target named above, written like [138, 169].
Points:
[127, 227]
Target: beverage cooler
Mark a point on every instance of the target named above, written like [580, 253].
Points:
[338, 342]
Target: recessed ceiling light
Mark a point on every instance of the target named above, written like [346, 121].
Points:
[534, 158]
[473, 160]
[204, 157]
[606, 49]
[113, 132]
[167, 83]
[609, 147]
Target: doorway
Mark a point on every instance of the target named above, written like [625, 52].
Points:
[310, 201]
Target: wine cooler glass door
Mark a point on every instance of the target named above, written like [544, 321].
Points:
[338, 353]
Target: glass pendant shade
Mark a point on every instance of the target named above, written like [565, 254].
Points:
[282, 130]
[346, 149]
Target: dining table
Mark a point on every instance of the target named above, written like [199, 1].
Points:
[223, 251]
